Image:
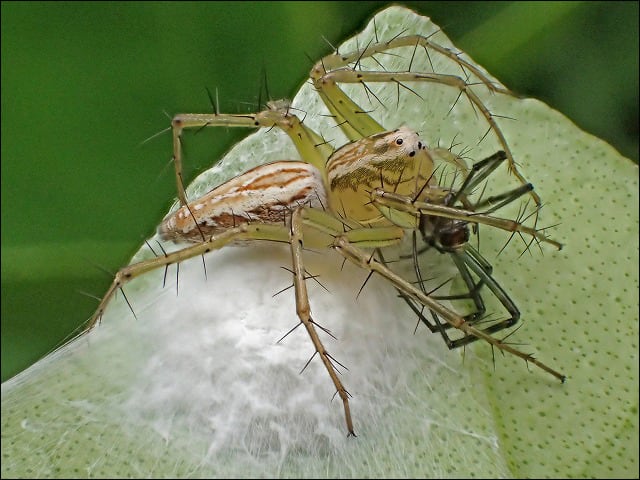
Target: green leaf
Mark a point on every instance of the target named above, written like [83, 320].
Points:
[198, 386]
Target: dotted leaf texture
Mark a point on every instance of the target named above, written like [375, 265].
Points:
[199, 386]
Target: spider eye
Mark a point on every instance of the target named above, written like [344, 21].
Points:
[412, 153]
[399, 141]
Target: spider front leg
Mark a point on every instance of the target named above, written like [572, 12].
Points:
[348, 68]
[393, 202]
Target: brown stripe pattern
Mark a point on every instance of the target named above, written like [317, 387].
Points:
[267, 193]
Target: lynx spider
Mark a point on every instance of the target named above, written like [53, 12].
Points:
[365, 195]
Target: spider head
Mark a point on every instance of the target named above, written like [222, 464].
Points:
[445, 234]
[395, 161]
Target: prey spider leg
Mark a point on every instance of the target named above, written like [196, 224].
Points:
[464, 260]
[449, 234]
[357, 256]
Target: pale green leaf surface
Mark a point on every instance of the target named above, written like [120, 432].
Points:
[198, 386]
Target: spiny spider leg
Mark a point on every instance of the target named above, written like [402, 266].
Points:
[361, 258]
[255, 231]
[333, 69]
[472, 292]
[312, 148]
[304, 312]
[402, 203]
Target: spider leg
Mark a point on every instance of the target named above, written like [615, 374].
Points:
[311, 146]
[303, 310]
[356, 122]
[246, 231]
[401, 203]
[470, 259]
[362, 259]
[472, 293]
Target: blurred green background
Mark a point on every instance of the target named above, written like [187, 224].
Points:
[84, 84]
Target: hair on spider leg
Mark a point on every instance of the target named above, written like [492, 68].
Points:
[400, 84]
[369, 275]
[328, 42]
[452, 144]
[308, 276]
[530, 356]
[363, 51]
[332, 359]
[264, 86]
[324, 329]
[116, 287]
[413, 56]
[370, 93]
[157, 134]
